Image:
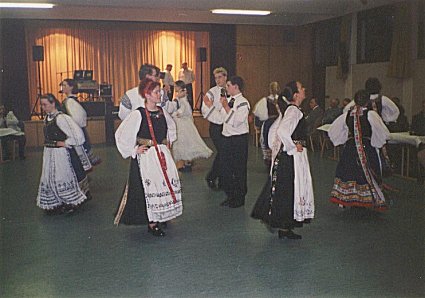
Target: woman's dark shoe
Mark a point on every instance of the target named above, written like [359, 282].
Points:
[55, 211]
[156, 231]
[163, 225]
[288, 234]
[211, 183]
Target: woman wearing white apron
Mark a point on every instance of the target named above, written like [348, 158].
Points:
[153, 191]
[63, 183]
[287, 199]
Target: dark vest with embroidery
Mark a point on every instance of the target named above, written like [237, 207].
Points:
[364, 124]
[271, 109]
[52, 132]
[378, 103]
[159, 124]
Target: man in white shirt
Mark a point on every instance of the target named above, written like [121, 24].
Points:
[216, 125]
[188, 77]
[132, 100]
[233, 114]
[168, 81]
[381, 104]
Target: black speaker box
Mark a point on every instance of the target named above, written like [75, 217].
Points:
[94, 108]
[37, 53]
[202, 54]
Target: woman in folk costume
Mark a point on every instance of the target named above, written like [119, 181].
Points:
[73, 108]
[189, 144]
[358, 174]
[153, 191]
[63, 183]
[287, 198]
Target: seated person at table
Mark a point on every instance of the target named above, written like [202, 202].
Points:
[418, 122]
[9, 120]
[314, 118]
[332, 112]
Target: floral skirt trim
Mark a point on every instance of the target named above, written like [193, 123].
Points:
[351, 194]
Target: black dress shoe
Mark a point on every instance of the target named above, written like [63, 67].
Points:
[226, 202]
[288, 234]
[55, 211]
[156, 231]
[236, 204]
[211, 183]
[163, 225]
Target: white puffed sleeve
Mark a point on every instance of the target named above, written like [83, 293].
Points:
[287, 127]
[380, 133]
[76, 111]
[171, 128]
[390, 111]
[74, 133]
[260, 109]
[126, 134]
[338, 131]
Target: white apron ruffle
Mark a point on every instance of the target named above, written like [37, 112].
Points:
[159, 202]
[58, 183]
[303, 187]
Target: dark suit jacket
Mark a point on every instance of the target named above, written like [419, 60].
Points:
[418, 124]
[314, 119]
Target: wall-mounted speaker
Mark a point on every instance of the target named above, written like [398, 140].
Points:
[37, 53]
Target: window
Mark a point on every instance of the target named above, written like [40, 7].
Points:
[326, 42]
[374, 34]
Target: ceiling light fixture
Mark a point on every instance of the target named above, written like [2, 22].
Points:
[25, 5]
[242, 12]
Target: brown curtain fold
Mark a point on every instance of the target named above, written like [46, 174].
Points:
[115, 54]
[401, 50]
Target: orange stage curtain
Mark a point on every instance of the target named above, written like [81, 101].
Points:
[114, 53]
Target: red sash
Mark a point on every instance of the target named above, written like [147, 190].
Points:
[161, 156]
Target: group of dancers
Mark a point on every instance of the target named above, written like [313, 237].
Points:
[158, 134]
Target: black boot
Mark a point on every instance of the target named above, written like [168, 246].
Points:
[288, 234]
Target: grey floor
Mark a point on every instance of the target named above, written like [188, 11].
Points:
[210, 251]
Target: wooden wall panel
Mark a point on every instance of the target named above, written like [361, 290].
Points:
[252, 66]
[265, 54]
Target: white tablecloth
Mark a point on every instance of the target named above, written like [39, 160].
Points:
[406, 138]
[8, 131]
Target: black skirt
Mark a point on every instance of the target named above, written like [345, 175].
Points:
[278, 210]
[134, 212]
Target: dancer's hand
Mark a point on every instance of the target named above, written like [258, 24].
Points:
[299, 148]
[142, 149]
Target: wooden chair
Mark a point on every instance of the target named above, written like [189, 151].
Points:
[257, 134]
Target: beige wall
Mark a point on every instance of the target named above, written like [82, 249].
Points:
[262, 56]
[410, 91]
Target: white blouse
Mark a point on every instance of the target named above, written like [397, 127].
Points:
[74, 133]
[338, 131]
[126, 134]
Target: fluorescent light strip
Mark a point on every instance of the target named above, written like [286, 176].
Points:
[25, 5]
[242, 12]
